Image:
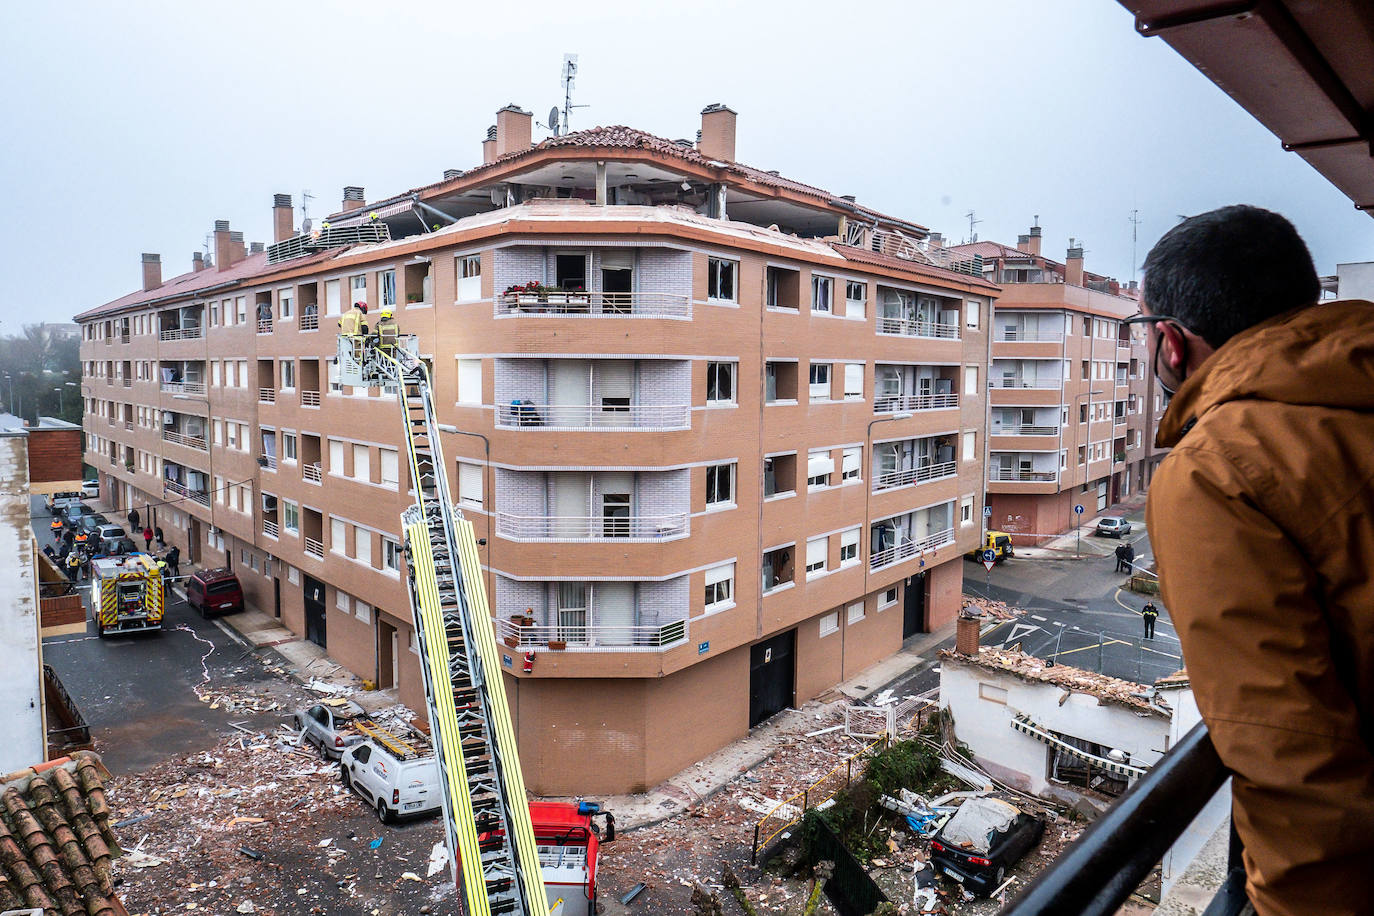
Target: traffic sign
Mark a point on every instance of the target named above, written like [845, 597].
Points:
[989, 556]
[989, 564]
[1078, 509]
[987, 512]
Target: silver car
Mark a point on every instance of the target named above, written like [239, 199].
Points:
[330, 728]
[1113, 527]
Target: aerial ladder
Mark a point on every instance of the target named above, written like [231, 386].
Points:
[491, 841]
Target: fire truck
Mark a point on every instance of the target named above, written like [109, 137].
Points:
[127, 594]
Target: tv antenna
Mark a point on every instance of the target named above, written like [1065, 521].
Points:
[306, 198]
[1134, 220]
[972, 221]
[569, 76]
[552, 124]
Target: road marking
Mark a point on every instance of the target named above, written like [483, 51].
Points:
[1037, 617]
[1117, 598]
[1105, 642]
[59, 642]
[1021, 629]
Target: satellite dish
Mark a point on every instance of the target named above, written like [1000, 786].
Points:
[553, 120]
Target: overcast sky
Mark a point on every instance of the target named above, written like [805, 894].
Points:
[132, 126]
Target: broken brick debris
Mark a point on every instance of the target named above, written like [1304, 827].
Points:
[1075, 680]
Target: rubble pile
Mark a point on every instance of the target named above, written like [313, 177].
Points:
[992, 608]
[1076, 680]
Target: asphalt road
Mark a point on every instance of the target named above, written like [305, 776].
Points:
[138, 691]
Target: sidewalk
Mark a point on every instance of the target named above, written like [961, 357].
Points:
[1082, 542]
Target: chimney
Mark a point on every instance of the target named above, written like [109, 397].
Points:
[1033, 246]
[1073, 266]
[197, 262]
[717, 133]
[937, 239]
[152, 271]
[282, 218]
[1023, 243]
[222, 257]
[237, 250]
[514, 130]
[966, 632]
[489, 145]
[450, 174]
[256, 247]
[354, 198]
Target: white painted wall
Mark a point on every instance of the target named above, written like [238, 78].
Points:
[21, 671]
[1355, 281]
[1214, 813]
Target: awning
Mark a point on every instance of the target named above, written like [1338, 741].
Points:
[1023, 723]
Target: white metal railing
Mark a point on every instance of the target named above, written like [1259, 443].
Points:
[596, 305]
[916, 327]
[908, 476]
[593, 416]
[1021, 335]
[268, 461]
[922, 251]
[590, 528]
[1012, 475]
[269, 528]
[124, 338]
[998, 382]
[264, 325]
[908, 549]
[312, 473]
[898, 403]
[180, 489]
[127, 382]
[1015, 430]
[310, 321]
[196, 442]
[1119, 421]
[183, 388]
[593, 637]
[310, 398]
[180, 334]
[267, 395]
[314, 548]
[129, 425]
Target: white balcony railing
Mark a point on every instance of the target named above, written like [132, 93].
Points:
[268, 462]
[181, 334]
[1013, 475]
[1008, 429]
[129, 425]
[267, 395]
[264, 325]
[593, 638]
[196, 442]
[900, 403]
[1003, 382]
[314, 548]
[591, 528]
[899, 245]
[908, 476]
[914, 327]
[128, 382]
[199, 496]
[908, 549]
[591, 416]
[310, 321]
[312, 473]
[183, 388]
[269, 527]
[1022, 335]
[310, 398]
[596, 305]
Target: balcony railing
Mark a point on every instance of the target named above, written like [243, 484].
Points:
[196, 442]
[267, 462]
[183, 388]
[124, 337]
[995, 382]
[914, 327]
[594, 638]
[1015, 430]
[312, 473]
[900, 403]
[127, 382]
[264, 325]
[908, 476]
[269, 528]
[314, 548]
[180, 489]
[596, 305]
[592, 416]
[310, 398]
[267, 395]
[1010, 475]
[908, 549]
[310, 321]
[129, 425]
[911, 249]
[591, 528]
[1021, 335]
[181, 334]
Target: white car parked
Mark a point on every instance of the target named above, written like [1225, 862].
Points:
[398, 781]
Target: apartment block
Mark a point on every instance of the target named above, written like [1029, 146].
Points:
[716, 461]
[1073, 405]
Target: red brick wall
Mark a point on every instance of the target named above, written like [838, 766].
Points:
[54, 455]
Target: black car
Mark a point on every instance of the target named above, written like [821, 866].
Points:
[72, 515]
[122, 547]
[982, 841]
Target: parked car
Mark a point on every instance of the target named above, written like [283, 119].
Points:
[214, 591]
[1113, 526]
[999, 542]
[106, 532]
[330, 728]
[61, 500]
[982, 841]
[72, 514]
[87, 529]
[90, 489]
[119, 546]
[398, 781]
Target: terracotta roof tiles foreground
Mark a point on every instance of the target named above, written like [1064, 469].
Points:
[56, 844]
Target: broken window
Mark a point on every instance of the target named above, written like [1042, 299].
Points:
[720, 279]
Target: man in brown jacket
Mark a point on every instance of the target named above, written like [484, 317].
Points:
[1262, 522]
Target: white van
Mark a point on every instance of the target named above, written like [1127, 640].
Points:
[399, 778]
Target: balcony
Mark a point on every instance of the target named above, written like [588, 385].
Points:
[267, 395]
[911, 249]
[904, 403]
[180, 334]
[310, 398]
[595, 305]
[915, 327]
[310, 321]
[1013, 475]
[269, 528]
[595, 638]
[314, 548]
[1025, 335]
[591, 528]
[312, 473]
[267, 462]
[592, 416]
[196, 442]
[1007, 429]
[909, 476]
[1004, 382]
[129, 425]
[264, 325]
[908, 549]
[180, 489]
[197, 388]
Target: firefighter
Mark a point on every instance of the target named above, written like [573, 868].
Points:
[354, 323]
[387, 331]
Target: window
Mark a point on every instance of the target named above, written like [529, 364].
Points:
[362, 610]
[1082, 454]
[241, 309]
[830, 623]
[214, 314]
[720, 383]
[992, 694]
[779, 475]
[970, 380]
[970, 444]
[232, 431]
[332, 297]
[390, 464]
[819, 467]
[469, 484]
[720, 586]
[338, 538]
[291, 516]
[1063, 459]
[570, 271]
[782, 291]
[971, 309]
[777, 567]
[362, 463]
[853, 381]
[336, 458]
[820, 382]
[288, 446]
[285, 303]
[849, 463]
[357, 286]
[469, 381]
[849, 547]
[469, 277]
[343, 602]
[817, 550]
[720, 485]
[855, 299]
[720, 279]
[966, 510]
[1087, 327]
[779, 381]
[889, 598]
[386, 286]
[391, 554]
[854, 612]
[362, 545]
[821, 291]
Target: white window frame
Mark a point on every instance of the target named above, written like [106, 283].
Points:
[854, 612]
[822, 305]
[829, 623]
[851, 470]
[469, 381]
[854, 381]
[972, 313]
[391, 554]
[818, 390]
[849, 547]
[716, 470]
[731, 371]
[470, 489]
[856, 308]
[817, 565]
[288, 510]
[811, 483]
[719, 592]
[713, 276]
[365, 452]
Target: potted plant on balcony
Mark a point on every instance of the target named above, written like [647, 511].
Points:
[526, 294]
[558, 644]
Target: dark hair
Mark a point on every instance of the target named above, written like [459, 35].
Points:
[1224, 271]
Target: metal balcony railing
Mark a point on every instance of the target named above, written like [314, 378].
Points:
[921, 251]
[908, 549]
[180, 489]
[183, 388]
[196, 442]
[310, 321]
[267, 395]
[596, 305]
[310, 398]
[594, 637]
[268, 462]
[314, 548]
[916, 327]
[995, 382]
[1008, 429]
[129, 425]
[1097, 873]
[124, 338]
[1021, 335]
[901, 403]
[264, 325]
[591, 528]
[181, 334]
[907, 476]
[269, 528]
[1012, 475]
[593, 416]
[312, 473]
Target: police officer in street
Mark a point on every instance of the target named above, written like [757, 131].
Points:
[1151, 614]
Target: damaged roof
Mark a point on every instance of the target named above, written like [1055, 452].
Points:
[56, 845]
[1029, 668]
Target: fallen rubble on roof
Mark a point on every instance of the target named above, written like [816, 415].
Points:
[993, 608]
[1076, 680]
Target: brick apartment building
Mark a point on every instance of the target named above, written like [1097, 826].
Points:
[730, 453]
[1073, 403]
